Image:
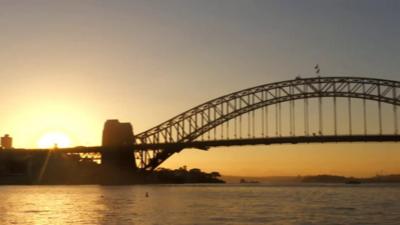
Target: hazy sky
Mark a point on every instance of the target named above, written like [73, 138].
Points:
[70, 65]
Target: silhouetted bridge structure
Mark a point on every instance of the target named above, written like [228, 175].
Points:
[303, 110]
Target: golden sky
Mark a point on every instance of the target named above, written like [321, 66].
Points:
[67, 66]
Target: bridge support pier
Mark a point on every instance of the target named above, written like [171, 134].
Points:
[120, 158]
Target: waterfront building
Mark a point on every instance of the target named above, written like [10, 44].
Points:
[6, 142]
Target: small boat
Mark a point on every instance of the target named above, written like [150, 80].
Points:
[243, 181]
[353, 182]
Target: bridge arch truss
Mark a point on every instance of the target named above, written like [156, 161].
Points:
[258, 112]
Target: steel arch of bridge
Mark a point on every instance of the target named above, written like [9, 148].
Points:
[188, 126]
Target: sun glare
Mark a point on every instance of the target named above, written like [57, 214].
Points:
[54, 140]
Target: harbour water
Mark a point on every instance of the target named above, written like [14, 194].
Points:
[220, 204]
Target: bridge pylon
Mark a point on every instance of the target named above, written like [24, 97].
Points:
[116, 136]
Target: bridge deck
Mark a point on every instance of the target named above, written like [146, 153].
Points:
[221, 143]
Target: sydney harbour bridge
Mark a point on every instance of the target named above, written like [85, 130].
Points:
[302, 110]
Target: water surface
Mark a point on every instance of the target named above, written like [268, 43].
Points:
[201, 204]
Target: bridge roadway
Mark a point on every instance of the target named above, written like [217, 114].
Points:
[204, 145]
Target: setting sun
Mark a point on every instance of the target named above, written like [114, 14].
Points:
[54, 139]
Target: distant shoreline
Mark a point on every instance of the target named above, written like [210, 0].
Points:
[322, 178]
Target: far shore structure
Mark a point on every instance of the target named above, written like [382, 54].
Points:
[6, 142]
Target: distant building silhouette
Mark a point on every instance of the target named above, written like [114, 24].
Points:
[6, 142]
[117, 136]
